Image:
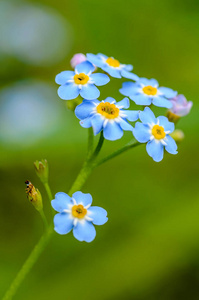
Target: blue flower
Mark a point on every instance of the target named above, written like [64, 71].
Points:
[112, 66]
[146, 92]
[155, 132]
[76, 213]
[106, 115]
[81, 81]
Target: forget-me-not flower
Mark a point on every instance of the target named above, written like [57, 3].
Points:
[76, 213]
[147, 92]
[155, 132]
[108, 115]
[112, 66]
[81, 81]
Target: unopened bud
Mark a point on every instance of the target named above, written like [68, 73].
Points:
[177, 135]
[77, 59]
[34, 196]
[41, 168]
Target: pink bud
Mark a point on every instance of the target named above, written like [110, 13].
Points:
[77, 59]
[181, 107]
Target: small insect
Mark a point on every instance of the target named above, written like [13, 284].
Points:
[30, 190]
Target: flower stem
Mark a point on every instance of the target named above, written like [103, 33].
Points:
[48, 191]
[44, 219]
[34, 255]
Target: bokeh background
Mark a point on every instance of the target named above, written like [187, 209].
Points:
[149, 249]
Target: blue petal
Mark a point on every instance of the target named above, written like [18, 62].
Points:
[98, 214]
[110, 100]
[128, 67]
[146, 82]
[147, 116]
[129, 88]
[155, 150]
[61, 202]
[68, 91]
[112, 131]
[141, 132]
[81, 198]
[162, 102]
[124, 103]
[85, 67]
[89, 92]
[63, 223]
[86, 123]
[125, 125]
[97, 123]
[168, 93]
[84, 231]
[64, 76]
[84, 109]
[168, 126]
[171, 146]
[112, 71]
[129, 75]
[100, 79]
[141, 99]
[94, 59]
[131, 115]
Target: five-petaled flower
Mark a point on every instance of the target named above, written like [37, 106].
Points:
[112, 66]
[76, 213]
[155, 132]
[81, 81]
[107, 115]
[147, 92]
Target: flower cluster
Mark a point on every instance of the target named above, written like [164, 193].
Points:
[112, 118]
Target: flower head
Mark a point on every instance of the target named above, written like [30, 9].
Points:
[147, 92]
[181, 107]
[76, 213]
[77, 59]
[107, 115]
[112, 66]
[81, 81]
[155, 132]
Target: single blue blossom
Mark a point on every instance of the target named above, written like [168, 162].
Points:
[112, 66]
[155, 132]
[108, 115]
[76, 213]
[81, 81]
[147, 92]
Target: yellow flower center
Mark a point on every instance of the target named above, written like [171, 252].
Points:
[158, 132]
[81, 78]
[108, 110]
[150, 90]
[113, 62]
[78, 211]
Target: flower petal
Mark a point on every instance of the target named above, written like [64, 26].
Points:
[84, 109]
[61, 202]
[127, 67]
[168, 126]
[141, 99]
[167, 92]
[112, 71]
[125, 125]
[124, 103]
[89, 92]
[98, 214]
[112, 131]
[63, 223]
[100, 79]
[128, 88]
[155, 149]
[94, 59]
[68, 91]
[153, 82]
[110, 100]
[141, 132]
[162, 102]
[129, 75]
[97, 123]
[86, 123]
[64, 76]
[84, 231]
[171, 146]
[147, 116]
[131, 115]
[85, 67]
[81, 198]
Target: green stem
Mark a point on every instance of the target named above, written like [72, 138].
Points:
[48, 191]
[99, 146]
[128, 146]
[34, 255]
[44, 219]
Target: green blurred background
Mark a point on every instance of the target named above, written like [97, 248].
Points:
[149, 249]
